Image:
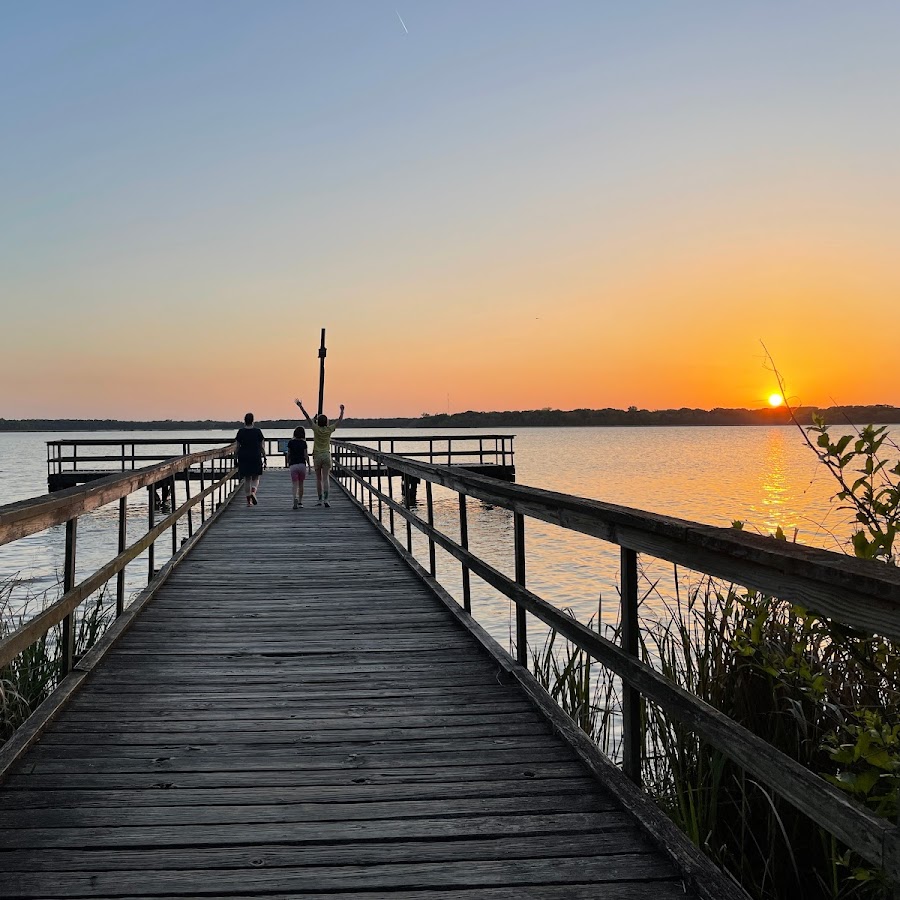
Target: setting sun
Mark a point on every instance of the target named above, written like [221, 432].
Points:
[775, 400]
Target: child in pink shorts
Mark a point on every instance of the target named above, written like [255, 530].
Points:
[298, 461]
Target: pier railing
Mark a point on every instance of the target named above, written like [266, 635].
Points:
[213, 468]
[858, 593]
[76, 460]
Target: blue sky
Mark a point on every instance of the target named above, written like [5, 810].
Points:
[494, 204]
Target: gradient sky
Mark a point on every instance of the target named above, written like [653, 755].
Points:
[514, 205]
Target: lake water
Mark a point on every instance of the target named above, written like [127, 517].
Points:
[764, 476]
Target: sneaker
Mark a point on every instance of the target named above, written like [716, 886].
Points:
[328, 504]
[296, 504]
[253, 499]
[249, 501]
[300, 505]
[318, 502]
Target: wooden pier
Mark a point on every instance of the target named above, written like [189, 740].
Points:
[295, 706]
[297, 714]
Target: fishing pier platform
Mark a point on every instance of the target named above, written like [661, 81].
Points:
[74, 461]
[296, 706]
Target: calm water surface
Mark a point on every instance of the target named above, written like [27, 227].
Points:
[764, 476]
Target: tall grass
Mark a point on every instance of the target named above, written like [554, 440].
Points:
[29, 678]
[824, 694]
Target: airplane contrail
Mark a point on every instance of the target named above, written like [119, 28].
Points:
[401, 21]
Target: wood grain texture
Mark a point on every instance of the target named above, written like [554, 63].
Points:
[295, 714]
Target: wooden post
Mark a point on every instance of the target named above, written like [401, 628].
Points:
[380, 520]
[151, 499]
[464, 543]
[202, 489]
[172, 503]
[390, 482]
[631, 698]
[521, 622]
[123, 537]
[187, 496]
[408, 532]
[322, 354]
[432, 566]
[68, 623]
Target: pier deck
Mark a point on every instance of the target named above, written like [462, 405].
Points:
[296, 714]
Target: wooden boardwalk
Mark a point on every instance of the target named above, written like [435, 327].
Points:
[296, 715]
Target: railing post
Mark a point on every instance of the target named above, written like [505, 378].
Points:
[173, 503]
[187, 496]
[432, 566]
[380, 522]
[464, 543]
[123, 537]
[631, 698]
[390, 497]
[68, 623]
[481, 451]
[408, 529]
[521, 622]
[151, 502]
[202, 489]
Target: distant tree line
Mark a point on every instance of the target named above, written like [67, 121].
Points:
[881, 414]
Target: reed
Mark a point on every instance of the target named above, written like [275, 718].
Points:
[29, 678]
[824, 694]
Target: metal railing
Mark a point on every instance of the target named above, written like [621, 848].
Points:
[859, 593]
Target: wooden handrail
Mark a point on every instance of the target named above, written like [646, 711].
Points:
[780, 570]
[856, 592]
[36, 627]
[18, 520]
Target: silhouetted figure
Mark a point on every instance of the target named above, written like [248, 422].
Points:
[251, 457]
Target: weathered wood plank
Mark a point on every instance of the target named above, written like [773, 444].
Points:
[322, 725]
[385, 877]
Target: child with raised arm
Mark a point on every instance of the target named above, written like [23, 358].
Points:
[322, 432]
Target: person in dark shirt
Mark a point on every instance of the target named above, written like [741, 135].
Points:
[298, 462]
[251, 457]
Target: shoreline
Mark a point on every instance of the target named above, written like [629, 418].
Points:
[881, 414]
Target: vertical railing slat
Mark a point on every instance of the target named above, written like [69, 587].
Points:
[123, 537]
[464, 543]
[521, 622]
[151, 517]
[68, 623]
[432, 562]
[631, 698]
